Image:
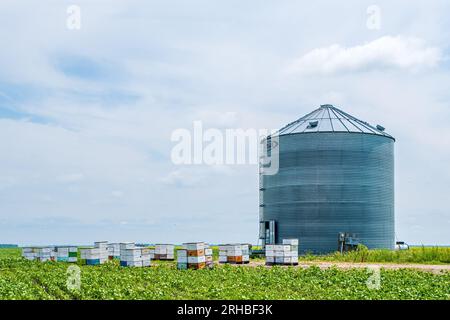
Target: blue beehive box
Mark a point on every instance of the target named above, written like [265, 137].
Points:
[182, 266]
[92, 262]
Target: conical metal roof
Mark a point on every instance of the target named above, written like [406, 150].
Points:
[328, 118]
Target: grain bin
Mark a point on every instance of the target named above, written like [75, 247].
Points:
[336, 174]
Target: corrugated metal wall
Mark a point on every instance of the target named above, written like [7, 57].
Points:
[330, 183]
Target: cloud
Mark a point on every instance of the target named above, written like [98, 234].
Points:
[103, 101]
[117, 193]
[407, 53]
[217, 119]
[71, 177]
[184, 179]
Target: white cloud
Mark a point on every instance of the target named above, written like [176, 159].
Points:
[217, 119]
[383, 53]
[184, 178]
[71, 177]
[216, 64]
[117, 193]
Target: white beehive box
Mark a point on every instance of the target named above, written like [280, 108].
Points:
[196, 260]
[103, 245]
[194, 246]
[234, 252]
[146, 262]
[126, 245]
[292, 242]
[270, 253]
[130, 254]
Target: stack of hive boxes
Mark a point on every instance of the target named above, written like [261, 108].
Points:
[152, 253]
[194, 255]
[45, 254]
[39, 253]
[29, 253]
[102, 246]
[146, 257]
[182, 259]
[113, 251]
[164, 252]
[66, 254]
[132, 256]
[209, 256]
[95, 256]
[282, 254]
[234, 253]
[294, 248]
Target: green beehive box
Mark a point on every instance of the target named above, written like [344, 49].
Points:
[73, 254]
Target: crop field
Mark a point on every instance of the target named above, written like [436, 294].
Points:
[22, 279]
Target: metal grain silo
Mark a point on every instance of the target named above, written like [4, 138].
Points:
[336, 174]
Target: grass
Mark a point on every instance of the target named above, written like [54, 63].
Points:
[422, 255]
[9, 253]
[21, 279]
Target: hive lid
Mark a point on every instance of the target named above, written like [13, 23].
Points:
[328, 118]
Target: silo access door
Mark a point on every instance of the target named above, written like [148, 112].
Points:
[267, 232]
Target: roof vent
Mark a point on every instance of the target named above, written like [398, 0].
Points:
[313, 124]
[381, 128]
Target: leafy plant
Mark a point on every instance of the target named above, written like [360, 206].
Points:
[22, 279]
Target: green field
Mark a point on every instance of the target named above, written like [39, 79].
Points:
[21, 279]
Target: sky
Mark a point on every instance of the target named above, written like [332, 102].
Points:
[87, 114]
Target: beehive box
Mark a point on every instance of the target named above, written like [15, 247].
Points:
[182, 259]
[66, 254]
[282, 254]
[152, 253]
[103, 245]
[132, 256]
[164, 252]
[41, 254]
[194, 255]
[29, 253]
[293, 243]
[113, 251]
[209, 262]
[94, 256]
[146, 257]
[234, 253]
[44, 254]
